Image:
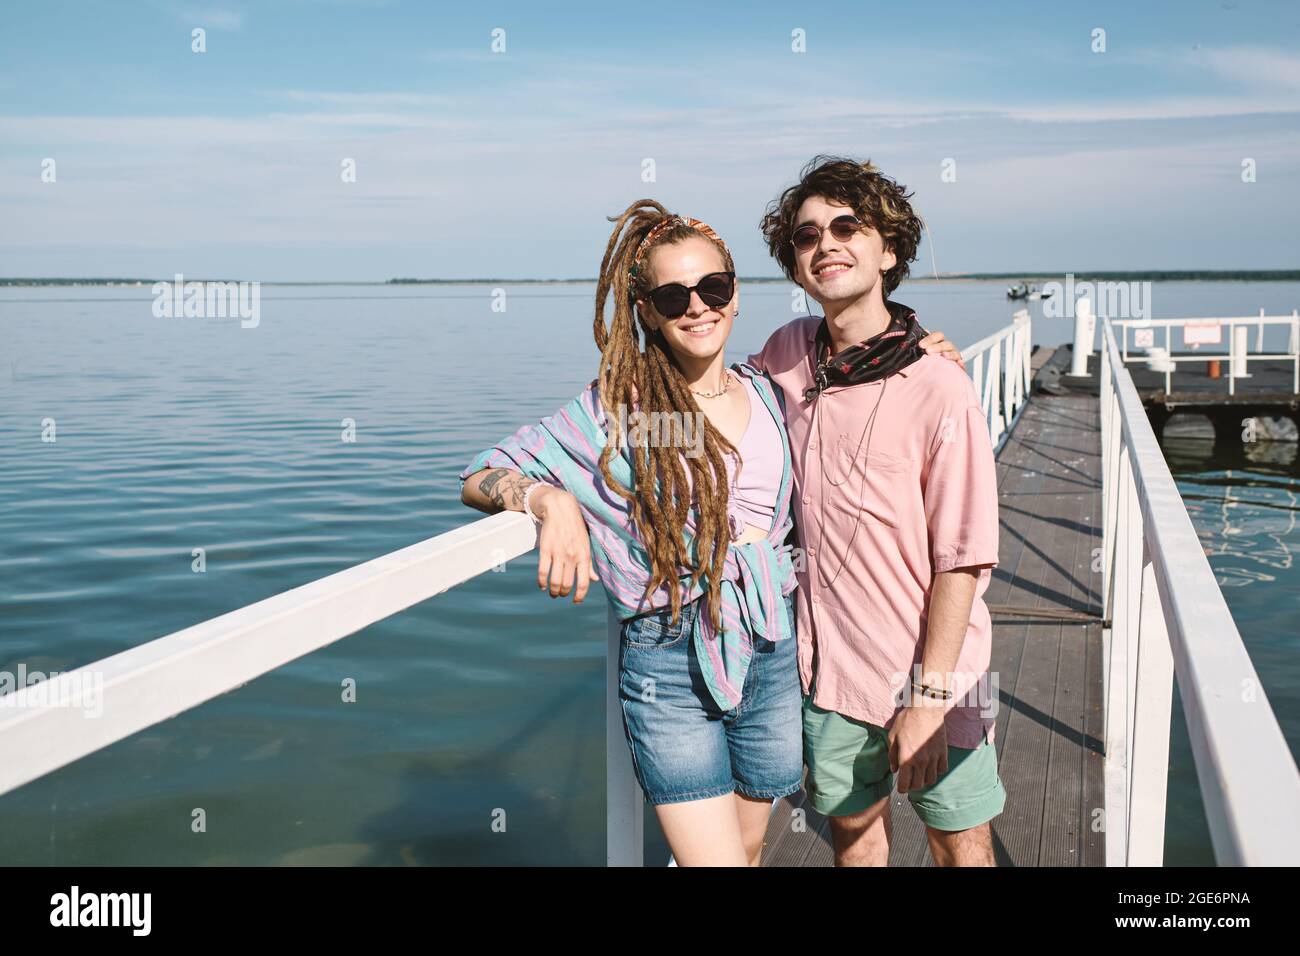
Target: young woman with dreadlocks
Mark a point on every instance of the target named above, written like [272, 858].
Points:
[685, 524]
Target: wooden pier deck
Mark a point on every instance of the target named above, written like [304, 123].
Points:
[1049, 673]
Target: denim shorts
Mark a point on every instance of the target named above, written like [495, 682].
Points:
[683, 746]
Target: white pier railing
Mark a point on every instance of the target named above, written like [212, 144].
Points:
[1141, 336]
[999, 366]
[1169, 618]
[161, 678]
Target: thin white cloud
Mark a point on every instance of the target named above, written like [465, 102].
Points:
[1156, 108]
[1254, 69]
[460, 56]
[217, 18]
[368, 101]
[1255, 66]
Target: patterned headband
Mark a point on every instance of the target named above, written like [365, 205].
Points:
[665, 224]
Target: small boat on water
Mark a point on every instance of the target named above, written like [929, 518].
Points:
[1024, 290]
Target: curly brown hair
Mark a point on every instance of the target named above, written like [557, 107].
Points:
[651, 379]
[876, 199]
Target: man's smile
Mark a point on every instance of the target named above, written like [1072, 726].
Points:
[834, 267]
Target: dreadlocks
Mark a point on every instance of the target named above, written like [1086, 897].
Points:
[650, 378]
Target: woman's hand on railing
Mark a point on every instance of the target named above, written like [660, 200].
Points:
[936, 343]
[564, 561]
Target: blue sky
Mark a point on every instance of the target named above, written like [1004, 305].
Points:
[475, 163]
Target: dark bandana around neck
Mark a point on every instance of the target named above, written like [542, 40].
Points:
[895, 348]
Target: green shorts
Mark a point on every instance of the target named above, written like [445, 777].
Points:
[848, 771]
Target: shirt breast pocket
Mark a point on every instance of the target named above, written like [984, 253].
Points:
[877, 485]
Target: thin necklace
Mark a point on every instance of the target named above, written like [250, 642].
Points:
[726, 379]
[867, 432]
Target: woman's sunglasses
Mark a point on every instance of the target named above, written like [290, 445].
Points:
[841, 227]
[672, 300]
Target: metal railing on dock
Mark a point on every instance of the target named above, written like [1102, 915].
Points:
[999, 366]
[1141, 333]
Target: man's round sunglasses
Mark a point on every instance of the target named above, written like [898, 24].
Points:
[672, 300]
[841, 227]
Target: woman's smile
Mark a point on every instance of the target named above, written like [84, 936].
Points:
[700, 329]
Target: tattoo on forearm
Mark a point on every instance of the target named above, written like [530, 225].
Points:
[505, 489]
[489, 486]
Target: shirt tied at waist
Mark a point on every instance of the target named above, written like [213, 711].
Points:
[756, 578]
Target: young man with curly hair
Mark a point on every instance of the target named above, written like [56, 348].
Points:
[896, 509]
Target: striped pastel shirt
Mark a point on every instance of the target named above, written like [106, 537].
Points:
[564, 450]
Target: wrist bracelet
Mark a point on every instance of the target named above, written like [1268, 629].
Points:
[527, 507]
[934, 693]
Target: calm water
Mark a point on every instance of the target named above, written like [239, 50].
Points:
[185, 433]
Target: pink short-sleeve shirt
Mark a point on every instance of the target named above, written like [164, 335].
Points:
[894, 482]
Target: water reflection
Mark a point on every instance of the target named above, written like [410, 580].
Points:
[1242, 502]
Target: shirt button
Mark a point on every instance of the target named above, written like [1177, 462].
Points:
[817, 599]
[807, 500]
[812, 446]
[811, 552]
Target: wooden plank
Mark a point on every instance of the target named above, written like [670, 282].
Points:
[1024, 480]
[1093, 837]
[1065, 809]
[787, 846]
[907, 844]
[1092, 845]
[1025, 739]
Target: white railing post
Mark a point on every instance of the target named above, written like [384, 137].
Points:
[1083, 335]
[625, 804]
[1232, 361]
[997, 424]
[1295, 351]
[1010, 372]
[1240, 350]
[1132, 543]
[1116, 724]
[1026, 353]
[1110, 445]
[1018, 367]
[1153, 704]
[1169, 355]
